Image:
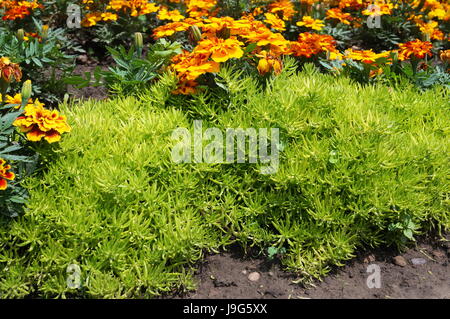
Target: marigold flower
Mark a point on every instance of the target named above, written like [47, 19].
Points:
[91, 19]
[221, 50]
[365, 56]
[173, 15]
[9, 71]
[15, 100]
[284, 7]
[169, 29]
[275, 22]
[336, 13]
[417, 49]
[309, 44]
[5, 175]
[190, 65]
[445, 56]
[268, 62]
[40, 123]
[430, 29]
[378, 9]
[309, 22]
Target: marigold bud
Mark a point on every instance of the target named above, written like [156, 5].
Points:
[138, 40]
[20, 34]
[445, 56]
[26, 91]
[195, 33]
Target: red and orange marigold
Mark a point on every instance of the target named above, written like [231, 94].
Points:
[414, 49]
[9, 71]
[40, 123]
[5, 175]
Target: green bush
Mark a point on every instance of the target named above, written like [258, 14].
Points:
[360, 166]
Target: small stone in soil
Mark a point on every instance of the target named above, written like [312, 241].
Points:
[418, 261]
[400, 261]
[254, 276]
[369, 259]
[244, 272]
[438, 254]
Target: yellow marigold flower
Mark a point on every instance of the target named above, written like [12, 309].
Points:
[275, 22]
[5, 175]
[365, 56]
[430, 29]
[173, 15]
[309, 22]
[221, 50]
[40, 123]
[108, 16]
[416, 49]
[16, 100]
[445, 56]
[268, 63]
[379, 9]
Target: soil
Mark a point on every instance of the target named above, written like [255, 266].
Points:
[84, 64]
[226, 276]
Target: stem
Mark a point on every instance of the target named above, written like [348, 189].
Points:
[3, 88]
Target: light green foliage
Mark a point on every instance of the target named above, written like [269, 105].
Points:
[360, 166]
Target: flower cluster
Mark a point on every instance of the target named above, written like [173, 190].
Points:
[40, 123]
[18, 9]
[5, 175]
[223, 38]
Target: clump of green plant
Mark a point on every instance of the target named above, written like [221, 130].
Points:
[134, 68]
[355, 161]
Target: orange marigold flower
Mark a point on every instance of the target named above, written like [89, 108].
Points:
[91, 19]
[40, 123]
[5, 175]
[309, 44]
[9, 71]
[285, 7]
[190, 65]
[416, 49]
[169, 29]
[336, 13]
[354, 4]
[268, 62]
[221, 50]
